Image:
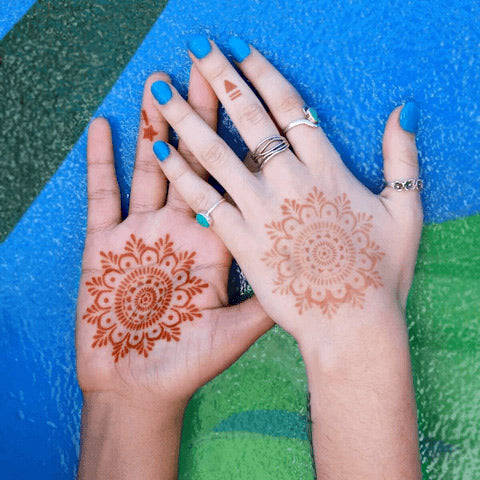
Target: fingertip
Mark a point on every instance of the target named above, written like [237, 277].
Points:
[400, 156]
[409, 117]
[161, 150]
[238, 48]
[99, 123]
[162, 91]
[157, 76]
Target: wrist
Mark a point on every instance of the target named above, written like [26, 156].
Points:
[354, 333]
[122, 439]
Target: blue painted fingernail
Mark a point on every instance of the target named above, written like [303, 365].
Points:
[162, 150]
[239, 48]
[409, 116]
[199, 45]
[161, 91]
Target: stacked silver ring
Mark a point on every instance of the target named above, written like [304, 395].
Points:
[267, 149]
[410, 184]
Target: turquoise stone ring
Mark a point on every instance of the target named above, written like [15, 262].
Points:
[204, 218]
[311, 119]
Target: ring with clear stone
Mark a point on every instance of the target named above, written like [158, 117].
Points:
[403, 185]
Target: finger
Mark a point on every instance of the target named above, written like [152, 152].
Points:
[242, 105]
[400, 159]
[285, 104]
[203, 100]
[103, 193]
[236, 328]
[200, 196]
[149, 185]
[210, 150]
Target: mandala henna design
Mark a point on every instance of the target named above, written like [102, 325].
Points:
[142, 295]
[322, 253]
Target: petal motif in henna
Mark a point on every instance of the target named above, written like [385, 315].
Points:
[322, 253]
[142, 295]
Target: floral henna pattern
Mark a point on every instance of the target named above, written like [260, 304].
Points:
[142, 295]
[322, 253]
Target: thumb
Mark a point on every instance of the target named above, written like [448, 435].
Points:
[400, 160]
[235, 329]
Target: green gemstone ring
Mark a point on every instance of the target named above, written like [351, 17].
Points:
[204, 218]
[311, 119]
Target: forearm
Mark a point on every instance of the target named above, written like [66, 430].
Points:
[362, 400]
[124, 441]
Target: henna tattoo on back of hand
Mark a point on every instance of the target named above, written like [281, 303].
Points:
[142, 295]
[322, 253]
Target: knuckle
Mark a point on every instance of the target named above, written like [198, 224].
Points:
[100, 227]
[98, 162]
[178, 206]
[290, 103]
[102, 194]
[214, 155]
[154, 117]
[407, 154]
[218, 70]
[139, 206]
[202, 201]
[176, 174]
[146, 166]
[253, 114]
[259, 71]
[181, 117]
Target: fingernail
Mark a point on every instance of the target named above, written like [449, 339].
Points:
[239, 48]
[162, 150]
[409, 117]
[199, 45]
[161, 91]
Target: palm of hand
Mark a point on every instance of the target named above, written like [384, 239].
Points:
[156, 281]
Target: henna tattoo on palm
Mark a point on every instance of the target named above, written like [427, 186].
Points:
[142, 296]
[322, 253]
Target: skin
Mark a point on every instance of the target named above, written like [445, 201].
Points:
[134, 404]
[356, 355]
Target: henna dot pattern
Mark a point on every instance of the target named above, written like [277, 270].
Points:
[142, 295]
[322, 253]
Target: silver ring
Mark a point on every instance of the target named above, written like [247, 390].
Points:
[267, 149]
[311, 119]
[403, 185]
[205, 218]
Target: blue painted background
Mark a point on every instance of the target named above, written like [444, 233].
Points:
[354, 60]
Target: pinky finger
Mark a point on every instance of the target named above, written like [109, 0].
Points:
[227, 221]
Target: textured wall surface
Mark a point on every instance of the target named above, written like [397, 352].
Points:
[355, 61]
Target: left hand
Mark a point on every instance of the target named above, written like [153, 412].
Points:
[153, 321]
[322, 252]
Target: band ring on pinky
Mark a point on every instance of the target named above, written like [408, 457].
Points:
[267, 149]
[403, 185]
[311, 119]
[205, 218]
